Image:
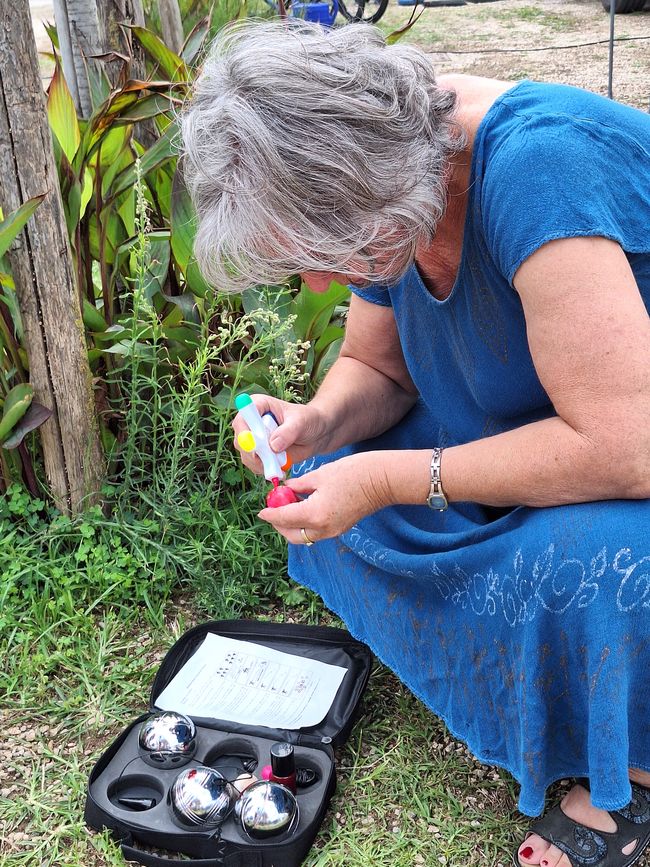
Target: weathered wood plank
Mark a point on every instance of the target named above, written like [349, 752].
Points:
[44, 273]
[115, 37]
[93, 27]
[171, 24]
[78, 27]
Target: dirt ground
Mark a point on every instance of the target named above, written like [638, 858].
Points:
[513, 39]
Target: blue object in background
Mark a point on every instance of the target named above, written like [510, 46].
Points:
[320, 12]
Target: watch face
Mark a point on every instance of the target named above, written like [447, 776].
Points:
[437, 501]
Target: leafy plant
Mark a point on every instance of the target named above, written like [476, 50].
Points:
[219, 13]
[178, 511]
[168, 353]
[101, 165]
[310, 341]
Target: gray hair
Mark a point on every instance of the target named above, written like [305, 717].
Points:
[313, 150]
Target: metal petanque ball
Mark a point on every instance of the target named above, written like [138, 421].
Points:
[201, 796]
[266, 809]
[167, 740]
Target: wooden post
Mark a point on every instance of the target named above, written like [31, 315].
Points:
[77, 25]
[112, 13]
[171, 24]
[88, 27]
[44, 274]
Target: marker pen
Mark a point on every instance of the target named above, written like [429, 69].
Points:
[256, 439]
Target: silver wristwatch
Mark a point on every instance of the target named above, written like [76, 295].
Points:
[436, 499]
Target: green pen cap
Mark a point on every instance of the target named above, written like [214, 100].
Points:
[242, 400]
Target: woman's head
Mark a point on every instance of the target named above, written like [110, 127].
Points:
[314, 150]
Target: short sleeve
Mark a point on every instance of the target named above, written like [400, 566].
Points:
[562, 177]
[375, 294]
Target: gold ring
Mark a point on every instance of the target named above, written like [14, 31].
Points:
[309, 542]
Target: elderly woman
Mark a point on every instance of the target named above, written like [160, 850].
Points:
[474, 471]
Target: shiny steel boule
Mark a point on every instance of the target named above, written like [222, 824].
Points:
[167, 740]
[267, 809]
[201, 796]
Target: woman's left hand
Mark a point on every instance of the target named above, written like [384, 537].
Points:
[336, 496]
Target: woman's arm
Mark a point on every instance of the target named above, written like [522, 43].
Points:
[368, 388]
[367, 391]
[589, 336]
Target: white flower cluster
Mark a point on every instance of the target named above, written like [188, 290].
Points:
[289, 371]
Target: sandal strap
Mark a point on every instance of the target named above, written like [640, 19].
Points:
[637, 812]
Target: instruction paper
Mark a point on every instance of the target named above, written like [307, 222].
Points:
[252, 685]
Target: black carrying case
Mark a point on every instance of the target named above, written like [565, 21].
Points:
[121, 773]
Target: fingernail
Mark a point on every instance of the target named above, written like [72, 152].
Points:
[277, 444]
[543, 863]
[527, 852]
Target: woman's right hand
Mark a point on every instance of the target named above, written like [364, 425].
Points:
[302, 430]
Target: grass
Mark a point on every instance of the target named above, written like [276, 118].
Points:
[408, 793]
[470, 26]
[531, 15]
[518, 75]
[88, 612]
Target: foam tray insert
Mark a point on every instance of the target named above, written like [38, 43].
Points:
[128, 776]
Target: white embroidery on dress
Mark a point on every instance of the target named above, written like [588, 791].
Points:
[551, 583]
[635, 585]
[304, 467]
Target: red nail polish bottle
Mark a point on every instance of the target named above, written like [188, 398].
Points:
[283, 766]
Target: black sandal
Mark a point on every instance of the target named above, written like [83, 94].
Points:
[585, 847]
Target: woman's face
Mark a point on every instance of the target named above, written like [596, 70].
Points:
[360, 268]
[319, 281]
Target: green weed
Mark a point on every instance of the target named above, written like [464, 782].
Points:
[532, 15]
[517, 75]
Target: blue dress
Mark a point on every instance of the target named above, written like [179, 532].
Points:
[526, 630]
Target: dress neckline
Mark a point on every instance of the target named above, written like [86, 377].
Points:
[478, 141]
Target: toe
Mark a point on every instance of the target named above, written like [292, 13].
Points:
[554, 857]
[532, 851]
